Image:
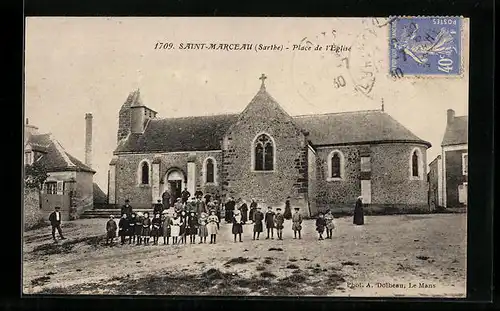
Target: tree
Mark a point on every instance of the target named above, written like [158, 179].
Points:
[35, 175]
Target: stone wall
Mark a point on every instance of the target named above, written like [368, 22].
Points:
[124, 119]
[391, 170]
[33, 215]
[337, 193]
[128, 187]
[312, 172]
[391, 185]
[433, 179]
[454, 177]
[84, 193]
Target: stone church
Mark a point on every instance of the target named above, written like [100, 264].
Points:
[320, 161]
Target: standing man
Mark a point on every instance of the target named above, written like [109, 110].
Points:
[185, 195]
[55, 222]
[166, 200]
[126, 209]
[230, 205]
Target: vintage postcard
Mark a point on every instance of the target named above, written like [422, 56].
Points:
[246, 156]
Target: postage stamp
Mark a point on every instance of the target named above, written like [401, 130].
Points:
[425, 46]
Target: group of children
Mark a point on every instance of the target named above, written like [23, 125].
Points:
[139, 228]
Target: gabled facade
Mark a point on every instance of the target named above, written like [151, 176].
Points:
[450, 182]
[69, 182]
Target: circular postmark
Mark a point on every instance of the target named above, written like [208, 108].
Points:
[365, 59]
[319, 75]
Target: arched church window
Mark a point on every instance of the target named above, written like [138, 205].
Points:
[264, 153]
[210, 171]
[414, 164]
[335, 165]
[145, 173]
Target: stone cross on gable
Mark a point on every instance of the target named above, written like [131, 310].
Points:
[263, 78]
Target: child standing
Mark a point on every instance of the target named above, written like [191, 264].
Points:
[192, 227]
[320, 225]
[237, 225]
[212, 227]
[156, 226]
[182, 232]
[131, 228]
[258, 216]
[296, 223]
[175, 228]
[122, 228]
[167, 222]
[329, 224]
[279, 219]
[146, 228]
[202, 229]
[110, 230]
[269, 219]
[138, 227]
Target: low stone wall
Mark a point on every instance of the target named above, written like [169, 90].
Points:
[33, 215]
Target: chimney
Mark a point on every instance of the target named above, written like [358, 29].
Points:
[88, 139]
[450, 115]
[29, 130]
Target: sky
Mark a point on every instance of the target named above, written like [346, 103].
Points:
[77, 65]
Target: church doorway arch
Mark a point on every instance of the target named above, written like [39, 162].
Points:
[175, 182]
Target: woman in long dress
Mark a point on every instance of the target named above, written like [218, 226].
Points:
[175, 228]
[212, 227]
[359, 218]
[244, 212]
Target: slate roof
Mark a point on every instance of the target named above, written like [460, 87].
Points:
[456, 132]
[354, 128]
[206, 132]
[54, 157]
[179, 134]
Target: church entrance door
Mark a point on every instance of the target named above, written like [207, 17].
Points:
[175, 188]
[176, 182]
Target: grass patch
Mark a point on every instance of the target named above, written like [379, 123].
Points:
[238, 260]
[55, 291]
[267, 274]
[293, 280]
[292, 266]
[335, 279]
[349, 263]
[260, 268]
[275, 249]
[40, 281]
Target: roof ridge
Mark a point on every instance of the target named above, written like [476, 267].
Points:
[61, 151]
[191, 117]
[336, 113]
